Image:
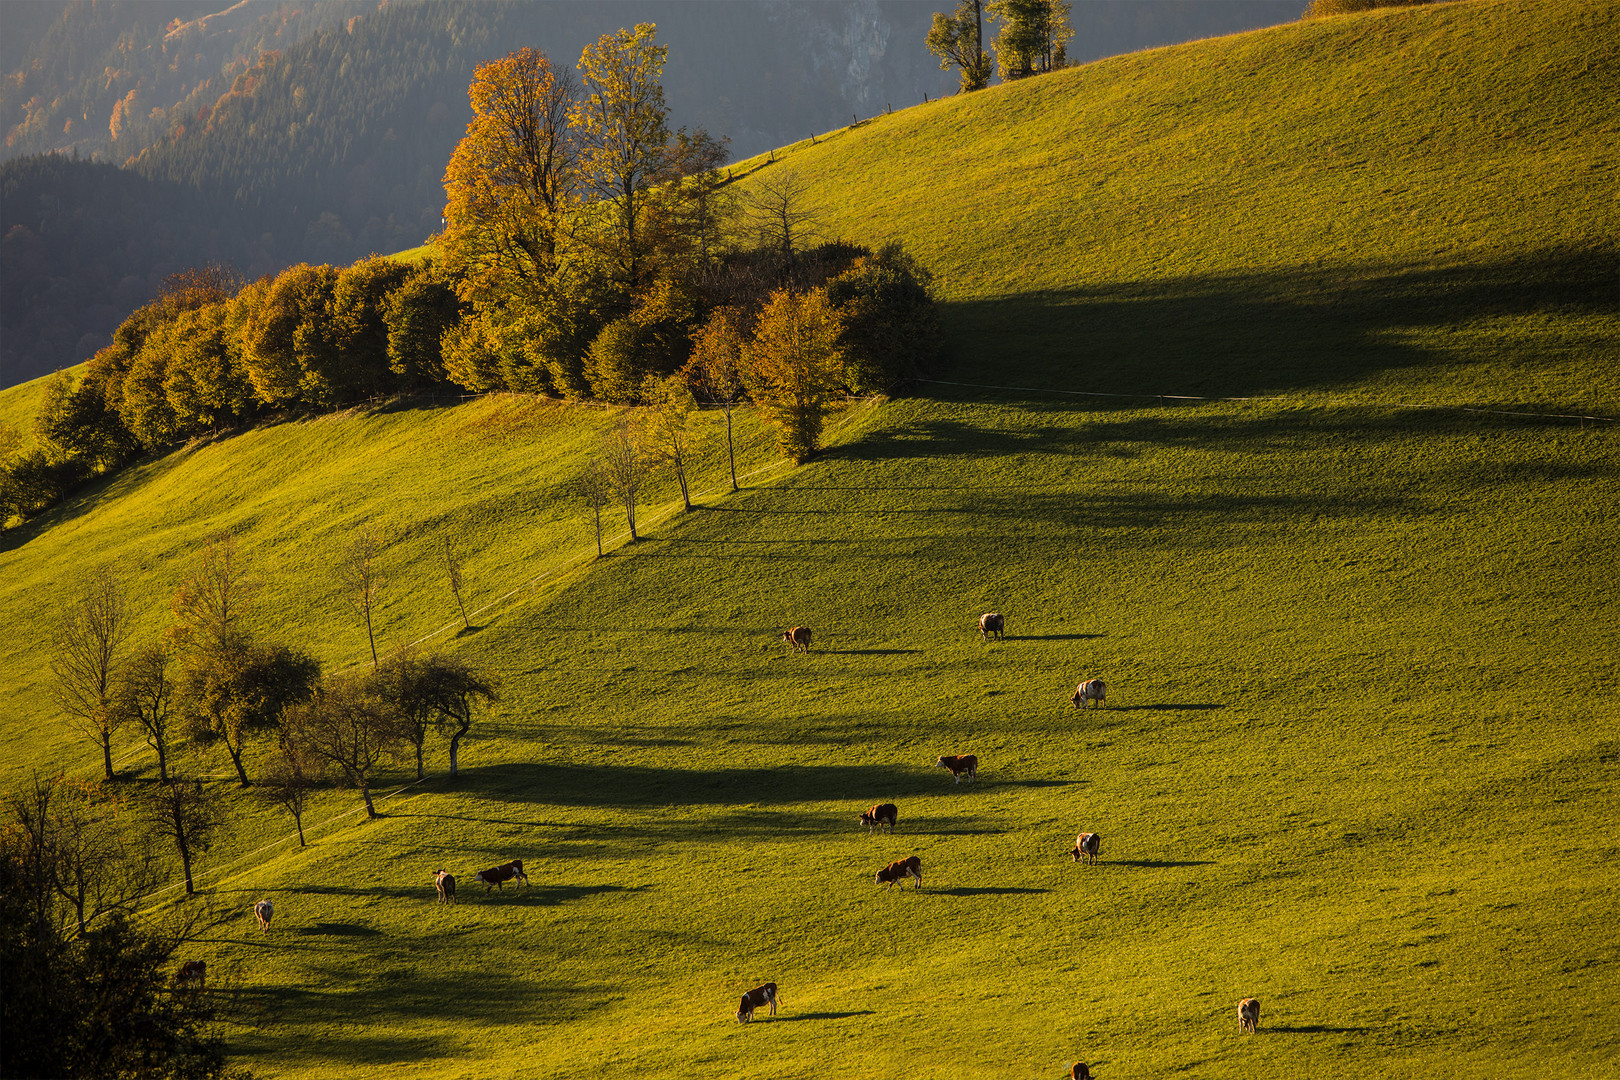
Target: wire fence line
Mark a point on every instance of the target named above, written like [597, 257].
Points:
[1262, 397]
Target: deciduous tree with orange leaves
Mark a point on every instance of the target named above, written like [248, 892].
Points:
[794, 367]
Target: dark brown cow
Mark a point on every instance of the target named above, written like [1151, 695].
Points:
[1079, 1072]
[1249, 1015]
[960, 765]
[798, 638]
[880, 815]
[446, 884]
[1093, 690]
[756, 998]
[264, 911]
[899, 870]
[1087, 846]
[991, 623]
[496, 877]
[192, 973]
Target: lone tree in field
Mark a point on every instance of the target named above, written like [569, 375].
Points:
[625, 467]
[189, 815]
[362, 578]
[89, 633]
[293, 772]
[667, 432]
[596, 485]
[143, 695]
[794, 368]
[346, 725]
[453, 560]
[958, 40]
[717, 367]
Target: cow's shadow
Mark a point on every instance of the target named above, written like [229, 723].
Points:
[1315, 1029]
[1052, 637]
[548, 895]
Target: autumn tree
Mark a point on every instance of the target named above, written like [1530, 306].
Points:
[890, 323]
[596, 486]
[717, 367]
[958, 40]
[625, 466]
[622, 122]
[347, 726]
[1034, 36]
[293, 772]
[703, 204]
[667, 436]
[90, 631]
[794, 368]
[782, 212]
[512, 181]
[143, 696]
[228, 697]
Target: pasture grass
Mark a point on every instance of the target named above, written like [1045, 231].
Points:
[1361, 750]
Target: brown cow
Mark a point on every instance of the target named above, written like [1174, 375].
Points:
[754, 999]
[446, 884]
[1249, 1015]
[1079, 1072]
[899, 870]
[192, 972]
[880, 815]
[264, 911]
[1094, 690]
[1087, 846]
[496, 877]
[991, 623]
[798, 638]
[960, 764]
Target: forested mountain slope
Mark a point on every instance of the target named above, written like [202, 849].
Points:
[1359, 754]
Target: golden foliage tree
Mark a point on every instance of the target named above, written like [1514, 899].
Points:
[794, 367]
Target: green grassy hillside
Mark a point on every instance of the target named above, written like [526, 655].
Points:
[1361, 749]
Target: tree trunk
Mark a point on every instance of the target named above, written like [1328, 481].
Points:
[599, 530]
[420, 775]
[106, 752]
[298, 820]
[455, 744]
[185, 864]
[236, 759]
[365, 793]
[371, 637]
[163, 761]
[731, 449]
[680, 475]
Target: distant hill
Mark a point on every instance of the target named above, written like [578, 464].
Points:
[320, 132]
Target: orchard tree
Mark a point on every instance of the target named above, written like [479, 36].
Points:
[143, 695]
[717, 365]
[229, 696]
[958, 40]
[89, 634]
[452, 689]
[189, 815]
[625, 466]
[346, 725]
[795, 369]
[362, 578]
[293, 771]
[667, 431]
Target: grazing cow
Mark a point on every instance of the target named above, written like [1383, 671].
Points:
[754, 999]
[192, 972]
[899, 870]
[1094, 690]
[1249, 1015]
[991, 623]
[880, 815]
[446, 884]
[264, 910]
[1079, 1072]
[1087, 846]
[496, 877]
[798, 638]
[960, 765]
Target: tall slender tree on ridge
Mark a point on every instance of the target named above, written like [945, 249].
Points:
[89, 634]
[958, 40]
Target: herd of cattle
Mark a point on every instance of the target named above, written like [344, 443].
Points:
[1087, 848]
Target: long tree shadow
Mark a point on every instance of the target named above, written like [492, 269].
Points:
[1054, 637]
[1167, 707]
[1316, 1029]
[985, 890]
[634, 786]
[786, 1019]
[1156, 864]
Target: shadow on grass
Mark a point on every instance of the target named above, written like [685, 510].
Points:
[339, 929]
[1315, 1029]
[1054, 637]
[783, 1019]
[871, 652]
[1156, 864]
[985, 890]
[636, 786]
[549, 895]
[1166, 707]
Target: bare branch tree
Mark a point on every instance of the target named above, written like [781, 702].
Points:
[453, 561]
[89, 633]
[346, 725]
[143, 695]
[362, 577]
[625, 467]
[188, 814]
[667, 432]
[210, 608]
[782, 213]
[594, 484]
[294, 771]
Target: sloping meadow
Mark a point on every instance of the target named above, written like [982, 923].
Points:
[1359, 754]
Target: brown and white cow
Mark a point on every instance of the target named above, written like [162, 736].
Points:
[960, 765]
[899, 870]
[880, 815]
[1094, 690]
[192, 973]
[991, 622]
[798, 638]
[446, 884]
[1249, 1015]
[1079, 1072]
[264, 911]
[496, 877]
[1087, 846]
[756, 998]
